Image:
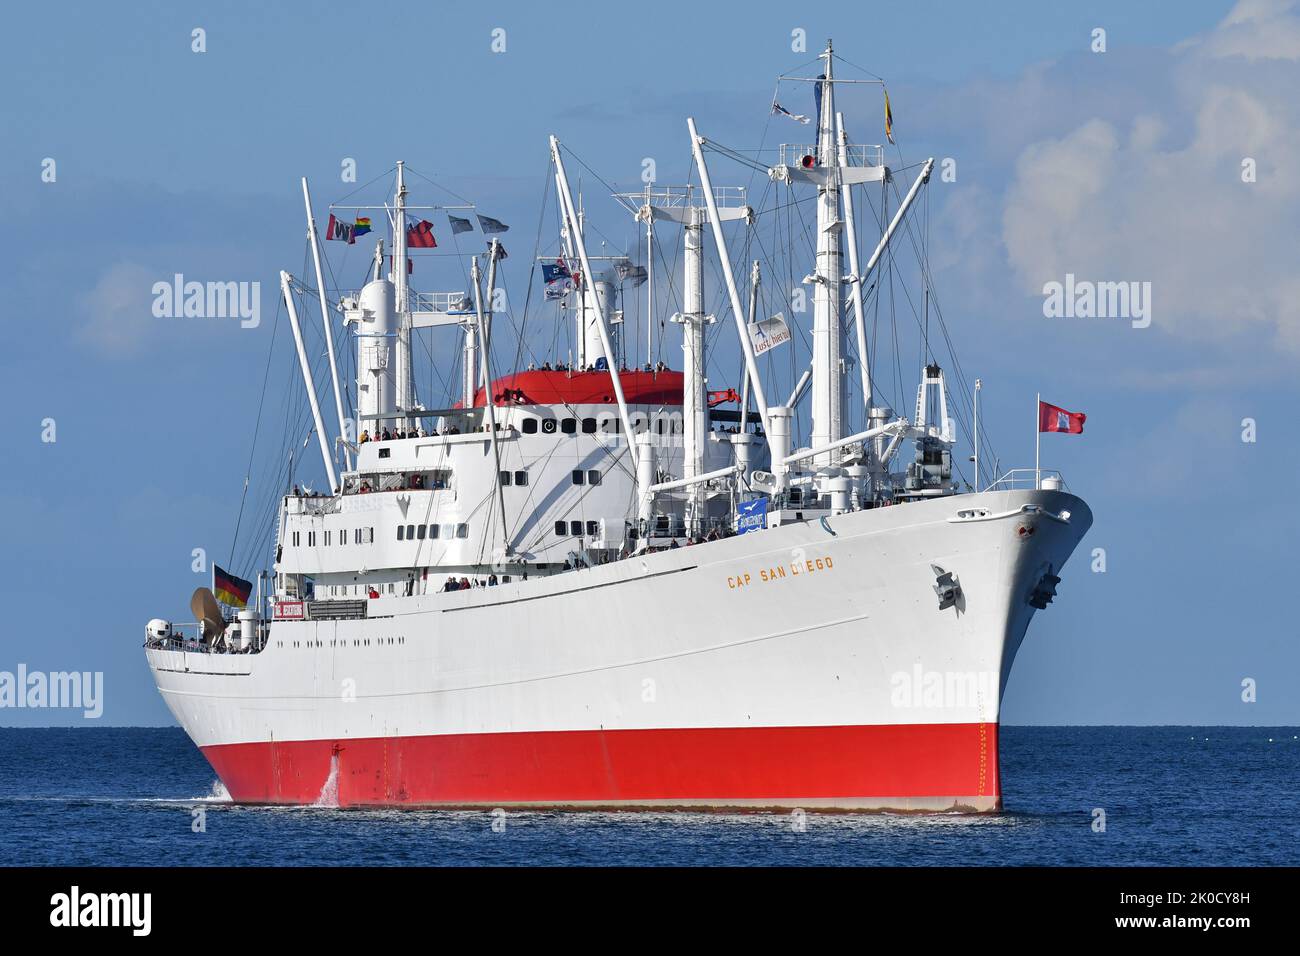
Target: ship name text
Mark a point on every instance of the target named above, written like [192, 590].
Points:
[780, 572]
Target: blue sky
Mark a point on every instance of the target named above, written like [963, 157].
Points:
[1123, 165]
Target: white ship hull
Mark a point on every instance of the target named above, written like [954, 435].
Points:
[808, 665]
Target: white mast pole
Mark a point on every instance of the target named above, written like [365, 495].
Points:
[575, 233]
[325, 321]
[489, 310]
[307, 381]
[978, 383]
[489, 405]
[1038, 439]
[859, 327]
[650, 282]
[694, 397]
[898, 217]
[469, 366]
[828, 329]
[737, 312]
[403, 370]
[755, 279]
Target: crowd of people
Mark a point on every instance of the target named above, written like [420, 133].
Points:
[402, 433]
[464, 584]
[589, 367]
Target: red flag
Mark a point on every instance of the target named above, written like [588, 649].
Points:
[338, 229]
[420, 236]
[1054, 419]
[410, 266]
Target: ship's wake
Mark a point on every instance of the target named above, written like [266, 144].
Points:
[329, 791]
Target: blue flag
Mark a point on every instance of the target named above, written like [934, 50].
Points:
[459, 225]
[490, 225]
[751, 516]
[551, 272]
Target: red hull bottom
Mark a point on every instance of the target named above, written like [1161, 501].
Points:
[928, 767]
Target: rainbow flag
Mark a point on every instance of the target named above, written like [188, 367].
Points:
[229, 589]
[361, 226]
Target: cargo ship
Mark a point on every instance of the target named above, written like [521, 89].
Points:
[590, 580]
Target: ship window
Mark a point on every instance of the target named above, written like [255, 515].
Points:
[401, 532]
[561, 528]
[578, 476]
[659, 425]
[385, 453]
[295, 539]
[370, 536]
[327, 539]
[589, 426]
[593, 477]
[505, 478]
[420, 531]
[593, 529]
[311, 539]
[548, 426]
[529, 426]
[569, 426]
[610, 425]
[575, 528]
[343, 536]
[450, 532]
[521, 477]
[433, 531]
[462, 531]
[638, 423]
[356, 535]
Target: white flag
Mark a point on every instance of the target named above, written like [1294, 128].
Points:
[769, 333]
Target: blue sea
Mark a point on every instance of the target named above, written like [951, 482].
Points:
[1171, 796]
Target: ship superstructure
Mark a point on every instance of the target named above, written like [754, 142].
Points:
[589, 581]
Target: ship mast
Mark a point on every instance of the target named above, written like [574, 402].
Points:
[398, 276]
[685, 205]
[828, 330]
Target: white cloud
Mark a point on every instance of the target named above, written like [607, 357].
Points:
[117, 314]
[1257, 30]
[1159, 196]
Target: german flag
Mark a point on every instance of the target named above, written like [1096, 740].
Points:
[229, 589]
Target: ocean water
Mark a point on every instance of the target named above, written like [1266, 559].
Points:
[1171, 796]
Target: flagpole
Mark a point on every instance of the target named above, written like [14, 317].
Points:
[1038, 438]
[977, 435]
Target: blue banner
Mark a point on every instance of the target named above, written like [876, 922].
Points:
[751, 516]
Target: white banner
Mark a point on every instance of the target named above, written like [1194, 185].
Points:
[768, 334]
